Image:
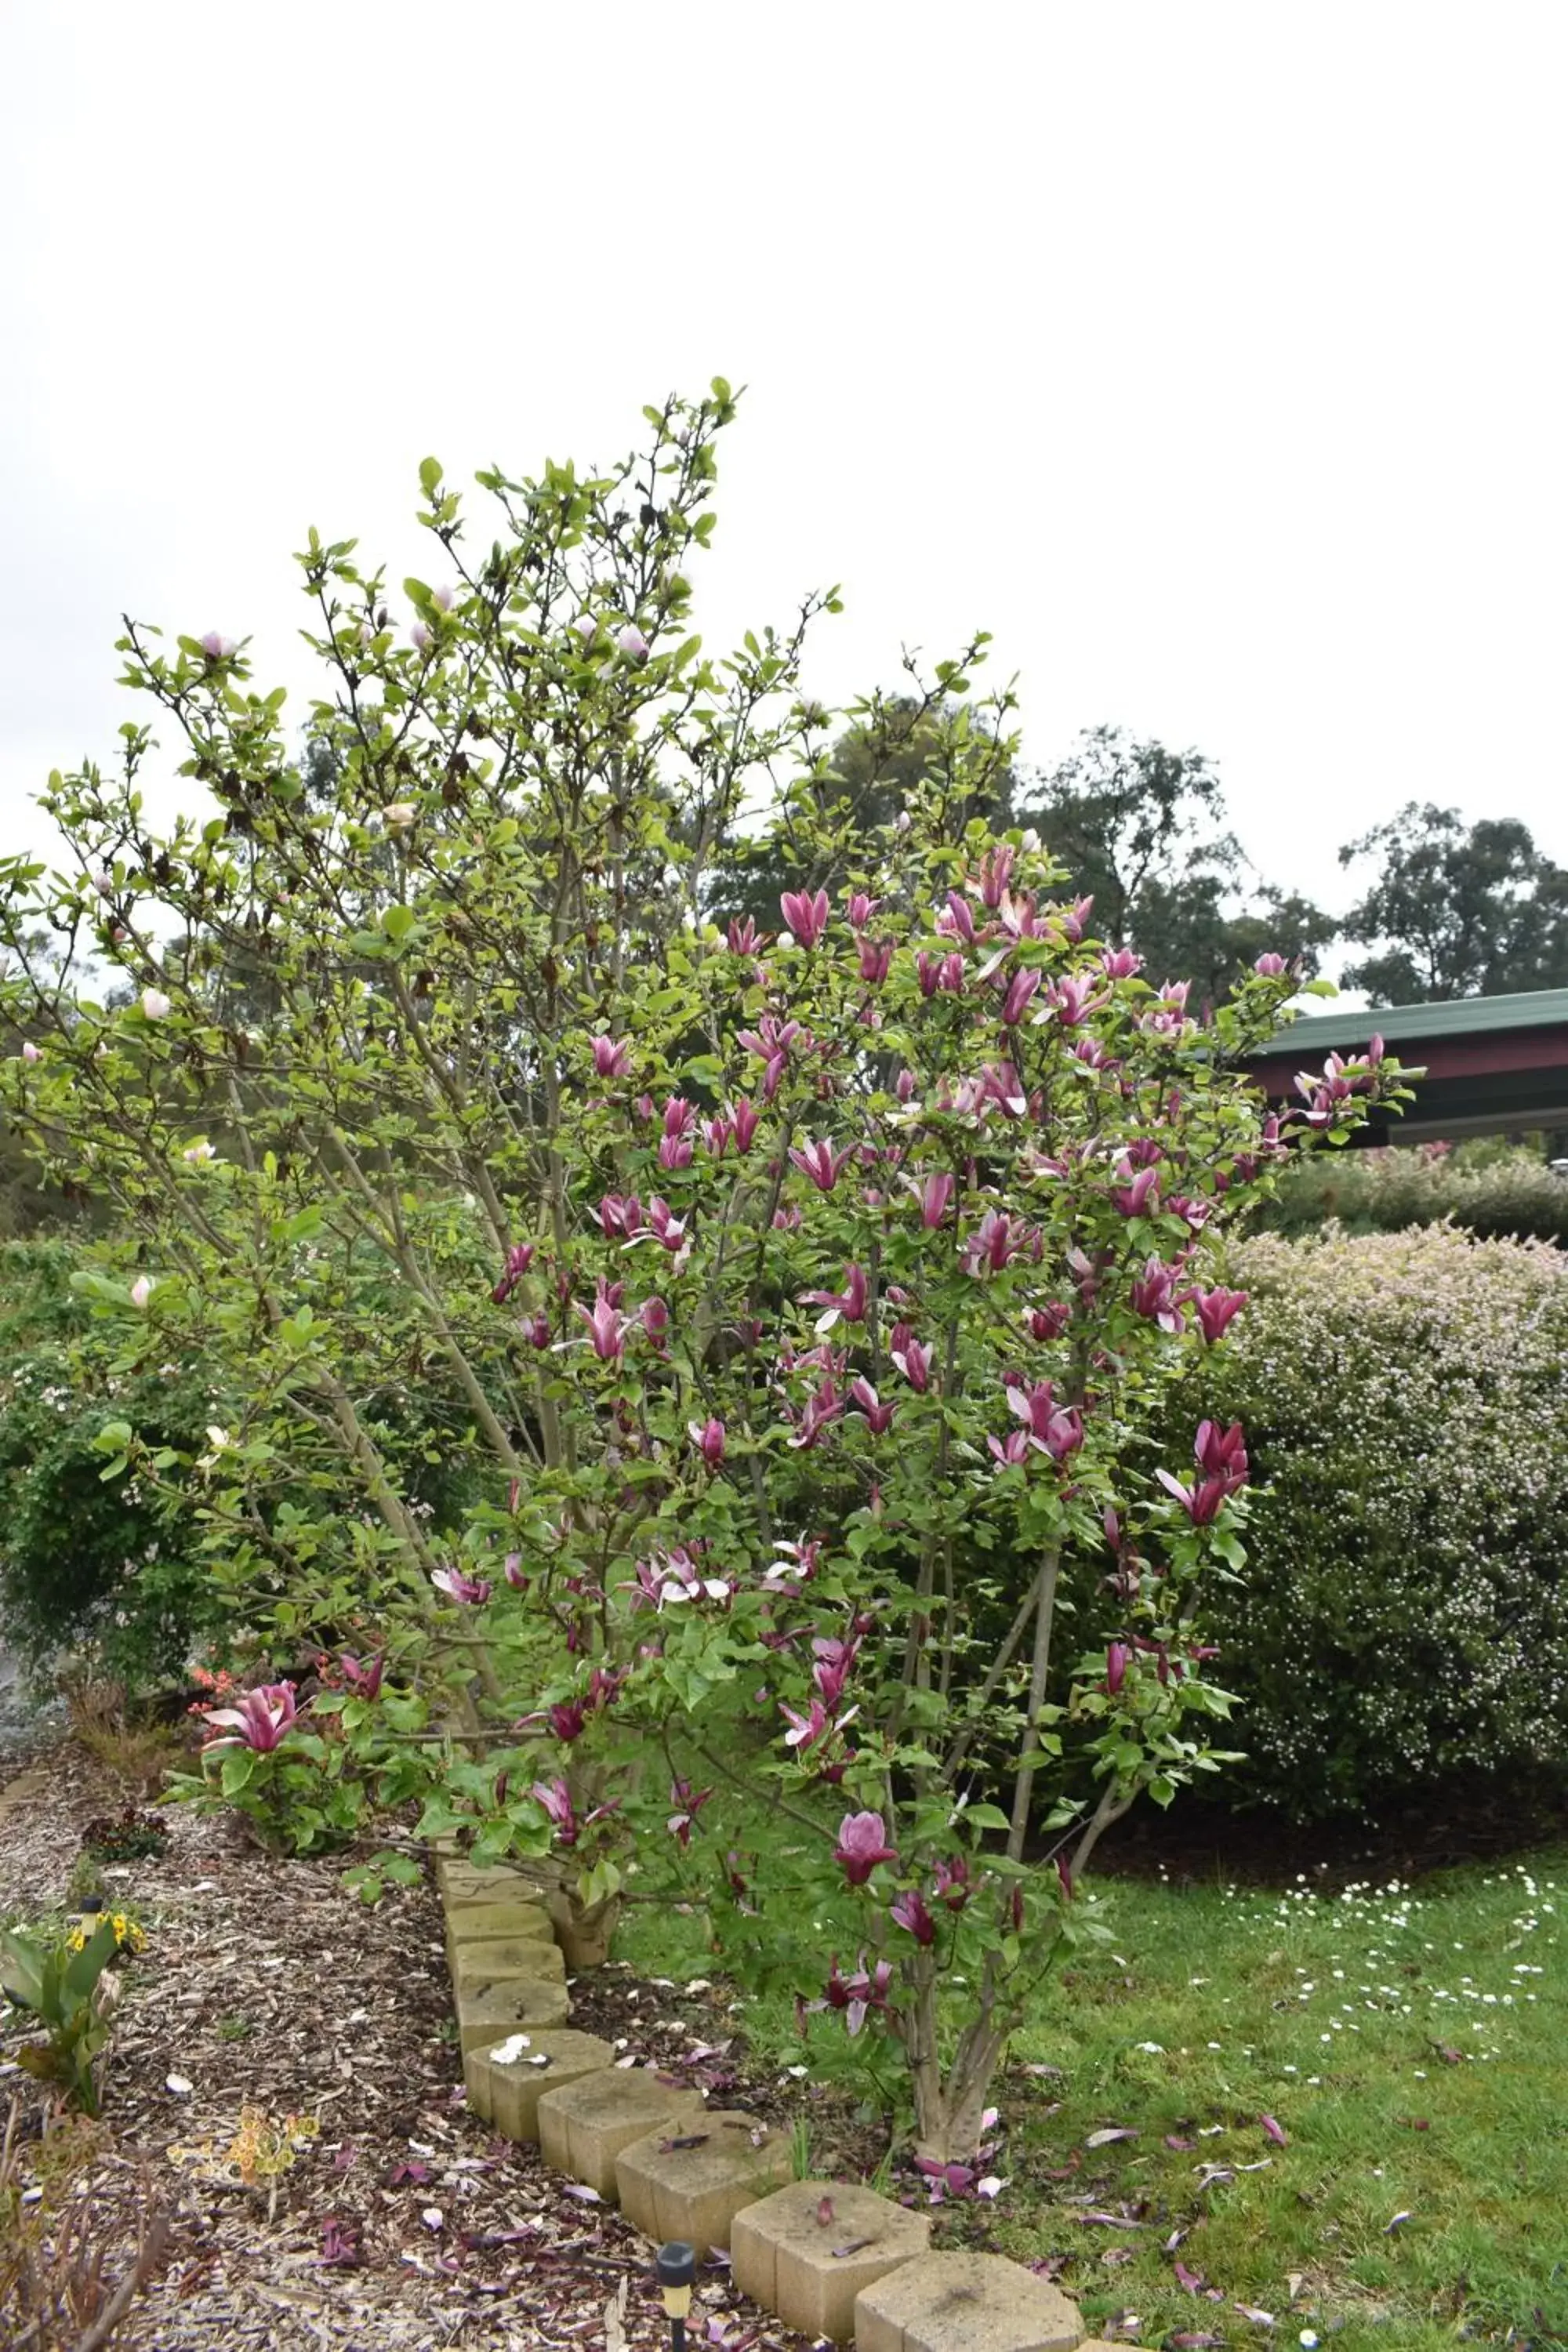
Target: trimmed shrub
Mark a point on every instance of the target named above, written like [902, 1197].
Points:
[1404, 1612]
[1512, 1193]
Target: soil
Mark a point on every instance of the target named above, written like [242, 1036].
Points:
[403, 2225]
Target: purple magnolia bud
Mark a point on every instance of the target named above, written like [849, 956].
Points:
[654, 1317]
[30, 1052]
[587, 628]
[155, 1006]
[708, 1436]
[909, 1912]
[421, 637]
[104, 882]
[1216, 1310]
[511, 1568]
[141, 1290]
[631, 642]
[935, 1195]
[1117, 1658]
[905, 1086]
[611, 1056]
[745, 1119]
[862, 1844]
[442, 597]
[806, 912]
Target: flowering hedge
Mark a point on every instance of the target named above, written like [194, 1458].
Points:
[1405, 1611]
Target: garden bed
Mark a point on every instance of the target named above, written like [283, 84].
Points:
[402, 2223]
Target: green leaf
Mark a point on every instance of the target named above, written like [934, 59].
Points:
[85, 1967]
[430, 471]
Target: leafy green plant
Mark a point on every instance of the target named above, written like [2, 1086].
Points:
[754, 1282]
[61, 1988]
[1505, 1194]
[132, 1834]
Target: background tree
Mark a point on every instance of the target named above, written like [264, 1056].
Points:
[1456, 912]
[1142, 830]
[897, 746]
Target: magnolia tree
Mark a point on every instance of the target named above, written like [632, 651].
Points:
[793, 1307]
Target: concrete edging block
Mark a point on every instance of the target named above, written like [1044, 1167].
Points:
[690, 2184]
[584, 2125]
[505, 2079]
[964, 2303]
[807, 2251]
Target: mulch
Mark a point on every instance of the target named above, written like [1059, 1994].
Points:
[403, 2225]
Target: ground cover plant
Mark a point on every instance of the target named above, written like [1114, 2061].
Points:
[793, 1307]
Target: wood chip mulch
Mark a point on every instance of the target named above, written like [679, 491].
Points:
[403, 2225]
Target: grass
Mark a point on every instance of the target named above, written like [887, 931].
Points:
[1412, 2044]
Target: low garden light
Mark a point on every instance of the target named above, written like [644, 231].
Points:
[677, 2265]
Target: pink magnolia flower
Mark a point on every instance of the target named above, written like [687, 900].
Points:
[1216, 1310]
[471, 1591]
[994, 1243]
[745, 1119]
[860, 909]
[1271, 966]
[1118, 1657]
[620, 1216]
[717, 1134]
[818, 1161]
[958, 920]
[362, 1676]
[912, 1358]
[849, 1302]
[806, 913]
[1156, 1294]
[862, 1844]
[807, 1730]
[607, 1329]
[261, 1721]
[553, 1799]
[1121, 963]
[833, 1663]
[879, 1416]
[30, 1052]
[797, 1563]
[935, 1197]
[953, 1881]
[1047, 1322]
[667, 1228]
[1141, 1198]
[155, 1006]
[1010, 1452]
[1021, 989]
[708, 1436]
[631, 642]
[1052, 1429]
[821, 1409]
[519, 1258]
[612, 1057]
[1074, 920]
[743, 938]
[854, 1996]
[536, 1330]
[587, 628]
[141, 1290]
[996, 874]
[567, 1719]
[688, 1802]
[909, 1912]
[654, 1317]
[876, 959]
[217, 647]
[420, 637]
[512, 1570]
[1222, 1453]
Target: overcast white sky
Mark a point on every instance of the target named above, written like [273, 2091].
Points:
[1212, 355]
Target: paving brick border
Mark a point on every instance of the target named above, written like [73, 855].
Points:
[827, 2258]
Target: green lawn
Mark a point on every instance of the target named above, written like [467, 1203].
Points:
[1411, 2044]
